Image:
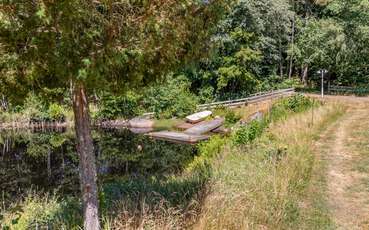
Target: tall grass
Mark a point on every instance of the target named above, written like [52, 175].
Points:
[44, 211]
[151, 203]
[261, 185]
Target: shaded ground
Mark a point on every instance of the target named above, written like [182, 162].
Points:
[344, 149]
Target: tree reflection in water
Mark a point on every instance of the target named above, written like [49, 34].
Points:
[47, 161]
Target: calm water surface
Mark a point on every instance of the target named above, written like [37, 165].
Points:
[47, 161]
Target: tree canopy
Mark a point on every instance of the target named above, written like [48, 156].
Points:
[98, 45]
[102, 43]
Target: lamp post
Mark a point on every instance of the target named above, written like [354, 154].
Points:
[322, 72]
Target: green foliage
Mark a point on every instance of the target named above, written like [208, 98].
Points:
[206, 94]
[34, 109]
[208, 151]
[268, 23]
[235, 71]
[122, 106]
[250, 47]
[336, 40]
[230, 116]
[231, 68]
[321, 43]
[171, 99]
[359, 90]
[257, 41]
[56, 112]
[168, 99]
[276, 82]
[260, 40]
[45, 211]
[295, 104]
[94, 47]
[249, 133]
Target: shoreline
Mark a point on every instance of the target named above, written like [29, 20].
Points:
[60, 125]
[38, 125]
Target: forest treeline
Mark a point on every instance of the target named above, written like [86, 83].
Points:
[259, 45]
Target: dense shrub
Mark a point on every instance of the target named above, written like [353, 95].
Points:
[296, 103]
[56, 112]
[34, 109]
[171, 99]
[231, 117]
[44, 211]
[362, 90]
[250, 132]
[202, 165]
[206, 94]
[277, 82]
[122, 106]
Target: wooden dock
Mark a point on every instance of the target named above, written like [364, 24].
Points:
[205, 127]
[177, 137]
[222, 130]
[141, 130]
[185, 125]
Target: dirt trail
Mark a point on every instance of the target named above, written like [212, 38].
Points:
[347, 181]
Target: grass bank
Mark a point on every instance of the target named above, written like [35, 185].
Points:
[255, 178]
[263, 184]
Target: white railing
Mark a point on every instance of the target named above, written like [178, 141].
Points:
[262, 96]
[254, 98]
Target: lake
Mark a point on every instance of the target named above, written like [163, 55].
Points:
[47, 161]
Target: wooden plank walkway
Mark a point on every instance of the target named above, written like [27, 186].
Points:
[185, 125]
[222, 130]
[177, 137]
[205, 127]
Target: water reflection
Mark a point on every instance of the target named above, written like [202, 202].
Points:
[48, 160]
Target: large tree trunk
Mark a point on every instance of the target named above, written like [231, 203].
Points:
[85, 149]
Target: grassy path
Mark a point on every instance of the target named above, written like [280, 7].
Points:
[344, 150]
